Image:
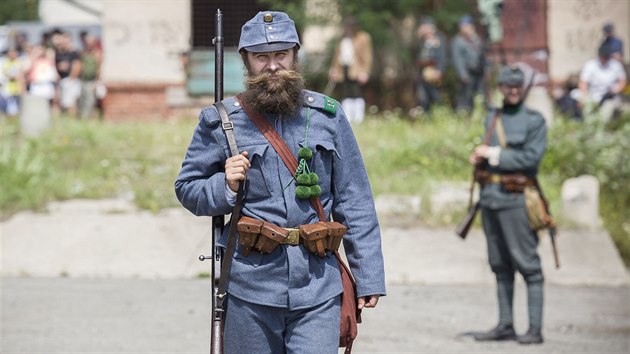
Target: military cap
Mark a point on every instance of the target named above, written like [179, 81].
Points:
[465, 20]
[511, 75]
[268, 31]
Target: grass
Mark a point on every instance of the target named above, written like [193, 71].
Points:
[90, 159]
[140, 161]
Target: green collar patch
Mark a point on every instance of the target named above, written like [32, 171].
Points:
[330, 105]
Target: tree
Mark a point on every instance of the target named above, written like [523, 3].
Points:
[392, 25]
[18, 10]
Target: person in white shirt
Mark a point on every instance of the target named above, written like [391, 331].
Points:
[601, 82]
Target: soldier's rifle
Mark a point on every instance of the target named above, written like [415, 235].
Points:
[218, 221]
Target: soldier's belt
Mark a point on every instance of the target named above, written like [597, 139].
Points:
[514, 183]
[264, 236]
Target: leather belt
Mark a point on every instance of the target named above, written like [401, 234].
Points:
[293, 238]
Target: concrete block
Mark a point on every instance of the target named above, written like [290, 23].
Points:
[580, 202]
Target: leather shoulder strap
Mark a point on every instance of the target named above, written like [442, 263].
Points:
[501, 132]
[228, 127]
[226, 266]
[281, 148]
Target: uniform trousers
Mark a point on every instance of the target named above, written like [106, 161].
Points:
[259, 329]
[512, 247]
[428, 94]
[467, 92]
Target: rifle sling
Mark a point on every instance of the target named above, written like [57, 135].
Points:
[226, 265]
[280, 146]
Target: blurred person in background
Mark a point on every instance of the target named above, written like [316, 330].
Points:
[430, 61]
[13, 83]
[68, 63]
[91, 59]
[568, 99]
[42, 75]
[601, 81]
[517, 145]
[615, 44]
[467, 52]
[351, 66]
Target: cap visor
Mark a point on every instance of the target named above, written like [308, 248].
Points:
[270, 47]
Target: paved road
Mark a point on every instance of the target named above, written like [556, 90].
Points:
[63, 315]
[104, 277]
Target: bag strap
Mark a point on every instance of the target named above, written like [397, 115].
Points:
[501, 132]
[280, 146]
[226, 266]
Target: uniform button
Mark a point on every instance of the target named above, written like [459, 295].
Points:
[270, 28]
[236, 103]
[310, 99]
[271, 36]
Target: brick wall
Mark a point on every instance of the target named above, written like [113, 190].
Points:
[137, 101]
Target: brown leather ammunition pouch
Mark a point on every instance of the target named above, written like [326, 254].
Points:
[270, 237]
[513, 183]
[322, 236]
[516, 183]
[248, 231]
[335, 235]
[259, 235]
[264, 236]
[315, 237]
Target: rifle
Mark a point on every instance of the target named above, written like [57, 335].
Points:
[218, 222]
[464, 226]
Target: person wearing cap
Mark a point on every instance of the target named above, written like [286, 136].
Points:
[467, 54]
[615, 44]
[516, 147]
[286, 301]
[601, 81]
[430, 61]
[351, 66]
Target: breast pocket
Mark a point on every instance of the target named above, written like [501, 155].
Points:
[516, 140]
[257, 185]
[324, 153]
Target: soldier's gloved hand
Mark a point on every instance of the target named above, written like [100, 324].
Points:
[236, 169]
[369, 301]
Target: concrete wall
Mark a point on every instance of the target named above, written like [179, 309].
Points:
[142, 40]
[575, 31]
[60, 12]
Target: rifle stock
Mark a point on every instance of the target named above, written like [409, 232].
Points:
[464, 226]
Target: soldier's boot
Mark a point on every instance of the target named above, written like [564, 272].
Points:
[498, 333]
[533, 336]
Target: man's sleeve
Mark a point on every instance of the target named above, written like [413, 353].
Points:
[201, 186]
[353, 206]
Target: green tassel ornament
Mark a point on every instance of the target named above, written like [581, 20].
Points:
[306, 180]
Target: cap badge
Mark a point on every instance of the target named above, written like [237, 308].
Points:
[268, 17]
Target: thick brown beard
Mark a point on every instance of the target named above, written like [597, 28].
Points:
[278, 93]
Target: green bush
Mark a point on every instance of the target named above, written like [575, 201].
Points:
[140, 161]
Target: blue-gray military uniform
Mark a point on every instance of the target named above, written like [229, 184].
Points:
[467, 60]
[511, 242]
[285, 297]
[431, 54]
